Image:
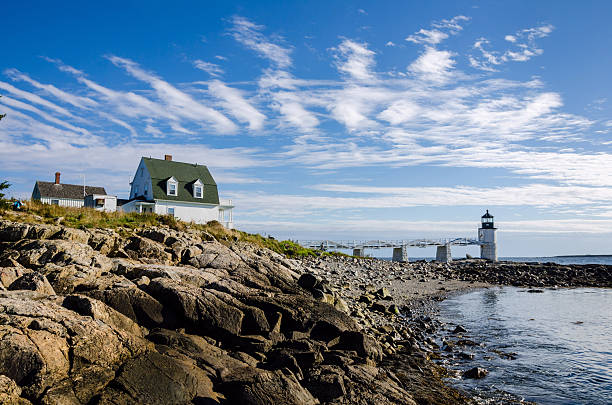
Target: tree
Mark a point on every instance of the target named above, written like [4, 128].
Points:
[3, 186]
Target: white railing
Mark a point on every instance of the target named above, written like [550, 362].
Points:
[381, 244]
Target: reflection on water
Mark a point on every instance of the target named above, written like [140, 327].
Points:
[561, 340]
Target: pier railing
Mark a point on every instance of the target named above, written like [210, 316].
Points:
[382, 244]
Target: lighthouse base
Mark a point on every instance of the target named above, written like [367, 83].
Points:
[488, 251]
[400, 255]
[443, 254]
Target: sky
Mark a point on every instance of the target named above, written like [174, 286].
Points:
[329, 119]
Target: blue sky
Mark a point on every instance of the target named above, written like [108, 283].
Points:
[329, 119]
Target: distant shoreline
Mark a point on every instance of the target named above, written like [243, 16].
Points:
[583, 256]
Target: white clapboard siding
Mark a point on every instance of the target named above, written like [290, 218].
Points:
[64, 202]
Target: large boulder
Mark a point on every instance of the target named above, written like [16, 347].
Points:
[34, 282]
[153, 378]
[45, 348]
[10, 274]
[251, 386]
[216, 256]
[132, 302]
[10, 392]
[143, 248]
[38, 253]
[198, 308]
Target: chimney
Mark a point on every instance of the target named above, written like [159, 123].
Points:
[168, 157]
[57, 177]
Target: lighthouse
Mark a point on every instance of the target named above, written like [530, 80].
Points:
[486, 236]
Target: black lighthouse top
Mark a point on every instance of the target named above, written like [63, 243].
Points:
[487, 221]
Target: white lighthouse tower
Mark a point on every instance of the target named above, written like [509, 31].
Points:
[486, 235]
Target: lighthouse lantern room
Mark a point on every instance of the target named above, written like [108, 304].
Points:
[486, 236]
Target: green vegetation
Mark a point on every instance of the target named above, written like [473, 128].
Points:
[36, 212]
[4, 204]
[3, 186]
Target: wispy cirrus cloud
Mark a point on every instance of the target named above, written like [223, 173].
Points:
[250, 35]
[440, 30]
[178, 102]
[234, 102]
[211, 68]
[357, 116]
[77, 101]
[524, 47]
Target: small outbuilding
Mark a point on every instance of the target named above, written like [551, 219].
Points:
[101, 202]
[66, 195]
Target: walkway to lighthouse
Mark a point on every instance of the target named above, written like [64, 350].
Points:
[443, 252]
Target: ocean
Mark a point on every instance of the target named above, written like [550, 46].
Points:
[591, 259]
[558, 341]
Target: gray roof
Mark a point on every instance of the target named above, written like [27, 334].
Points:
[186, 174]
[73, 191]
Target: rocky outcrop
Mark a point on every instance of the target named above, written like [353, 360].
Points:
[158, 316]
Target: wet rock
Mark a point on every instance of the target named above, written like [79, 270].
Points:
[475, 373]
[459, 329]
[308, 281]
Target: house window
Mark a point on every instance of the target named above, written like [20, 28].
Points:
[146, 191]
[171, 188]
[197, 191]
[171, 211]
[54, 202]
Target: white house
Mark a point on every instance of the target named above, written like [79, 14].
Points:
[67, 195]
[184, 190]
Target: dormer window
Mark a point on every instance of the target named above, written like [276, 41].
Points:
[171, 186]
[198, 189]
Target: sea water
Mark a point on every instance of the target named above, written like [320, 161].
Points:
[560, 341]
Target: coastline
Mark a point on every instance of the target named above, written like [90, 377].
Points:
[415, 288]
[159, 315]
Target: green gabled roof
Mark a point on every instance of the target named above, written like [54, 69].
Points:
[186, 174]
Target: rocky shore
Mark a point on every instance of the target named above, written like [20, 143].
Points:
[160, 316]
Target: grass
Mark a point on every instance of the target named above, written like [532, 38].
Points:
[36, 212]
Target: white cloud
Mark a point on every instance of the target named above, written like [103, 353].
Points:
[77, 101]
[400, 112]
[178, 102]
[33, 98]
[27, 107]
[249, 34]
[433, 65]
[390, 43]
[525, 48]
[212, 69]
[355, 60]
[234, 102]
[441, 31]
[430, 37]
